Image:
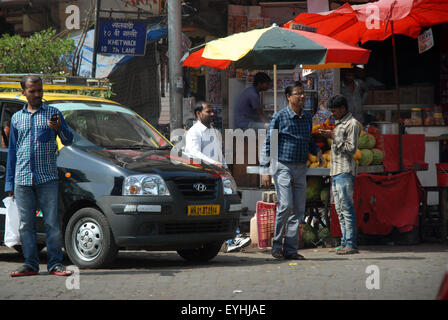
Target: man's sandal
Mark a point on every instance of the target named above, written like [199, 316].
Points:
[347, 250]
[336, 249]
[60, 270]
[23, 271]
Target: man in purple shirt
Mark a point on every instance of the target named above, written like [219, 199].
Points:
[249, 112]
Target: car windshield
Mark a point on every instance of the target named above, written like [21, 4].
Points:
[108, 126]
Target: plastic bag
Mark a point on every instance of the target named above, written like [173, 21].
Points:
[12, 223]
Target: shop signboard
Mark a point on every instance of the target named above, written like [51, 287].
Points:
[122, 37]
[425, 41]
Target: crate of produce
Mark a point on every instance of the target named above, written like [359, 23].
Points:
[265, 223]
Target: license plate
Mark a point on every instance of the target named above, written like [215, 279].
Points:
[204, 210]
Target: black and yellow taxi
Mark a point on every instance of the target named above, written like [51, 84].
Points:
[122, 185]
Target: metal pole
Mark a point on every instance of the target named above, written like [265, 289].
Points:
[175, 67]
[275, 88]
[397, 90]
[95, 41]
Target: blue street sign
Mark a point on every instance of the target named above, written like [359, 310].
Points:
[122, 37]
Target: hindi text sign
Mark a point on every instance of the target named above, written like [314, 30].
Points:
[122, 37]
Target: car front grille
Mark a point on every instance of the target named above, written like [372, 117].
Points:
[186, 187]
[198, 227]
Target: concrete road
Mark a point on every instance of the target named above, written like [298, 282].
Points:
[378, 272]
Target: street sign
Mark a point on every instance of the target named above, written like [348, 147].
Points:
[122, 37]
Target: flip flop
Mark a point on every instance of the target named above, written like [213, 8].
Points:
[23, 271]
[60, 270]
[336, 249]
[347, 250]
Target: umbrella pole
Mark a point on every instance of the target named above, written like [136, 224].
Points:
[397, 90]
[275, 88]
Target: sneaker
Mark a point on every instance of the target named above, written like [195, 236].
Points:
[238, 243]
[232, 248]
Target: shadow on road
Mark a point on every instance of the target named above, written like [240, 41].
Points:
[169, 263]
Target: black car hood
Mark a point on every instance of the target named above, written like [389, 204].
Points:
[163, 162]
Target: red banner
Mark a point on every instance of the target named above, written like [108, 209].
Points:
[382, 203]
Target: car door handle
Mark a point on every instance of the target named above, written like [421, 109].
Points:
[2, 172]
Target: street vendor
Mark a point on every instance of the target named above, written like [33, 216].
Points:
[293, 125]
[355, 91]
[343, 169]
[248, 110]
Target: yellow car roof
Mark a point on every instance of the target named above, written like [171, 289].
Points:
[50, 96]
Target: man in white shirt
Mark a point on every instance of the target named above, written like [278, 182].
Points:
[203, 142]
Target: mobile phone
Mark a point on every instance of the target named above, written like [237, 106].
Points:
[54, 118]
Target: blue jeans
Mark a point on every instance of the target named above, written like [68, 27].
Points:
[342, 187]
[28, 198]
[290, 184]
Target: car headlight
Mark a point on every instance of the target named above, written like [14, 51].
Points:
[228, 184]
[142, 185]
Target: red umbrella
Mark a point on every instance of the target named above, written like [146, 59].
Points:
[373, 21]
[377, 21]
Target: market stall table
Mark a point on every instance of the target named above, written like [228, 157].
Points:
[313, 205]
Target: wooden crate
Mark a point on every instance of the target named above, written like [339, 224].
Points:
[239, 171]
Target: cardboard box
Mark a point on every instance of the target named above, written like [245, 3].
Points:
[385, 97]
[408, 95]
[425, 95]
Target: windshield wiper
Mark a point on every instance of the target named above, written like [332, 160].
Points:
[165, 147]
[134, 147]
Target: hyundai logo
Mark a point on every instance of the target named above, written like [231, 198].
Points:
[200, 187]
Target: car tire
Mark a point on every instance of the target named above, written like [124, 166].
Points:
[202, 254]
[89, 241]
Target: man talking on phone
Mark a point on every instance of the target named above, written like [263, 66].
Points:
[32, 177]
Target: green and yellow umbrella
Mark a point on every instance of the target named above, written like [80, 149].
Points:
[276, 46]
[263, 48]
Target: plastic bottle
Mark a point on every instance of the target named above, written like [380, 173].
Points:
[428, 119]
[438, 116]
[254, 229]
[416, 116]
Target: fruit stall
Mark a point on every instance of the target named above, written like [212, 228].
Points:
[386, 201]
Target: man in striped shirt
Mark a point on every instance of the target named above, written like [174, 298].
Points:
[32, 177]
[343, 169]
[293, 125]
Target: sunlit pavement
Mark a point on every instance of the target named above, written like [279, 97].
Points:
[377, 272]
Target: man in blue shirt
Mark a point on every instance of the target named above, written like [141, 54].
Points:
[293, 126]
[32, 177]
[248, 111]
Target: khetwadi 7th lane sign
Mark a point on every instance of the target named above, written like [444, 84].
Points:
[122, 37]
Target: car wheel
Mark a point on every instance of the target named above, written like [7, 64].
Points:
[203, 254]
[40, 247]
[89, 241]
